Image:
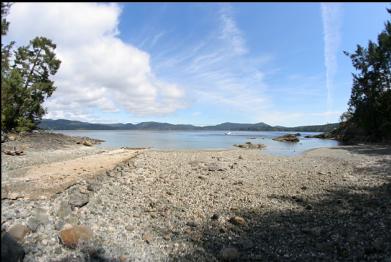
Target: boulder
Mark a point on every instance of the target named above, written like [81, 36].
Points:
[77, 199]
[287, 138]
[11, 250]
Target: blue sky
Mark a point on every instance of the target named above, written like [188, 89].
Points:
[203, 63]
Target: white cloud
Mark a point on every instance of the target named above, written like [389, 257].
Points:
[293, 118]
[230, 31]
[218, 70]
[99, 71]
[331, 34]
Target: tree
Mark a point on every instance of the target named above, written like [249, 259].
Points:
[4, 11]
[370, 101]
[26, 82]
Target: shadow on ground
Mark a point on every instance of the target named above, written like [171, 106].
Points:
[343, 224]
[372, 150]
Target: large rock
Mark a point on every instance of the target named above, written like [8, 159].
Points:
[287, 138]
[71, 236]
[11, 250]
[77, 199]
[18, 232]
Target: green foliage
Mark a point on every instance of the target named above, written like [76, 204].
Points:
[4, 11]
[25, 82]
[370, 101]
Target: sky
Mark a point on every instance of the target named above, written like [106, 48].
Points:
[200, 63]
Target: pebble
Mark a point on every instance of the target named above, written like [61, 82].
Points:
[58, 250]
[308, 207]
[192, 224]
[129, 228]
[215, 217]
[237, 220]
[147, 237]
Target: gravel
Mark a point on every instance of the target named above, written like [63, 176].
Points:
[328, 204]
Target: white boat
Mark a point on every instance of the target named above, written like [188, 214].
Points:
[228, 133]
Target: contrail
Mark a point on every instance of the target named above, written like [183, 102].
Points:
[331, 36]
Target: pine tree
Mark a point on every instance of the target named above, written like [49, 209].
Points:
[26, 80]
[370, 101]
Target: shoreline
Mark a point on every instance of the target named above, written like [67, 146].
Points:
[233, 204]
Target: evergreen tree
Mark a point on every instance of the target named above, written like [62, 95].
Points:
[370, 101]
[25, 80]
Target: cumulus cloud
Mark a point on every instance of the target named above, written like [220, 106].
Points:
[99, 71]
[331, 35]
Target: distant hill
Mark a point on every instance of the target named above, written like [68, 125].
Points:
[240, 127]
[63, 124]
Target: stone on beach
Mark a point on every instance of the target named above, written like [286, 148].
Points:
[147, 237]
[18, 232]
[237, 220]
[71, 236]
[77, 199]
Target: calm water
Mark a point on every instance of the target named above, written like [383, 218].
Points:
[201, 140]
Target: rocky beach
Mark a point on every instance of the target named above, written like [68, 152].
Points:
[66, 200]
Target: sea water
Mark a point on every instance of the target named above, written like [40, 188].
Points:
[202, 140]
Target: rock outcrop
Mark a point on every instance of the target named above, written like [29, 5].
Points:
[287, 138]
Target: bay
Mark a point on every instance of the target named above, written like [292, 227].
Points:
[202, 140]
